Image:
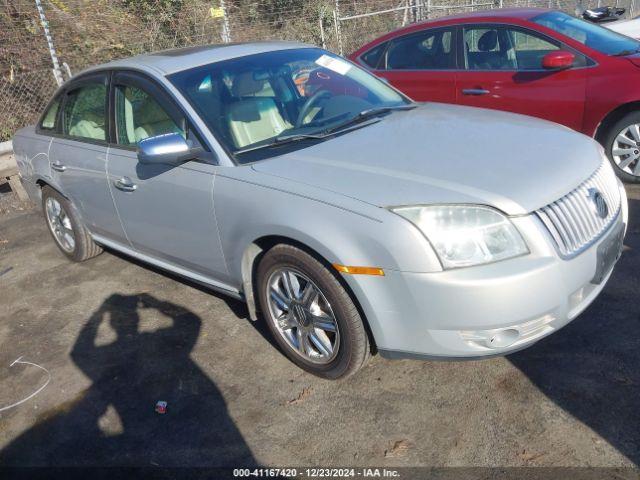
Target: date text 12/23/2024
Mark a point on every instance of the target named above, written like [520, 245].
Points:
[317, 472]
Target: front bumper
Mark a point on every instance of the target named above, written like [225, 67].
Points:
[483, 311]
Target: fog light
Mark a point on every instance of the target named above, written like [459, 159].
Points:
[497, 338]
[504, 338]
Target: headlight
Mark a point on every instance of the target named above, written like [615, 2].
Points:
[465, 235]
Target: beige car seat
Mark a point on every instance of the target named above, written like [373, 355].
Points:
[251, 118]
[156, 121]
[91, 126]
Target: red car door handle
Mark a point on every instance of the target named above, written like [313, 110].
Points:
[474, 91]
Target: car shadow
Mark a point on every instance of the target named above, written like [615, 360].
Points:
[113, 422]
[237, 307]
[591, 368]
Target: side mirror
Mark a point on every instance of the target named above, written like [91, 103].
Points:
[558, 60]
[169, 148]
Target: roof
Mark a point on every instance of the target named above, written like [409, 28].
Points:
[521, 13]
[170, 61]
[480, 15]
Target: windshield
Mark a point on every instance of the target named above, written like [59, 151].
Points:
[258, 100]
[593, 36]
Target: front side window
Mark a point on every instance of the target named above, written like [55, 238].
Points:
[530, 49]
[85, 112]
[505, 48]
[589, 34]
[252, 101]
[430, 50]
[50, 116]
[139, 116]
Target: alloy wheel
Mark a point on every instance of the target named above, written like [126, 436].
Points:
[60, 224]
[626, 150]
[302, 316]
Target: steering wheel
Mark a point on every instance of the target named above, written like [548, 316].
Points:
[311, 101]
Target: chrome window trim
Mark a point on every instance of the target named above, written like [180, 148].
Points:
[546, 37]
[461, 27]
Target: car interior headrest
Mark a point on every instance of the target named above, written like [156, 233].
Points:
[488, 41]
[247, 84]
[151, 112]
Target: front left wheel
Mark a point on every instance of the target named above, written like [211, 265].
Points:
[310, 314]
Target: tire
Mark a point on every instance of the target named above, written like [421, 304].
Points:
[611, 143]
[329, 303]
[74, 241]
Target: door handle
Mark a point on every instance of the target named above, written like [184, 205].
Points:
[58, 167]
[475, 91]
[125, 184]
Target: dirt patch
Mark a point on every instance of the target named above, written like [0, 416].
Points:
[9, 202]
[302, 396]
[398, 449]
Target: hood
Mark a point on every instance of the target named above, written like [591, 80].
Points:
[440, 153]
[630, 28]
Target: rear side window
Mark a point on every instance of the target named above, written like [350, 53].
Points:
[85, 112]
[428, 50]
[373, 56]
[50, 116]
[140, 116]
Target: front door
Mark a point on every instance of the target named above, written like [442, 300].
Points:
[78, 155]
[167, 211]
[503, 71]
[422, 65]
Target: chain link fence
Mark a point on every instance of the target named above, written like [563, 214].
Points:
[23, 97]
[87, 32]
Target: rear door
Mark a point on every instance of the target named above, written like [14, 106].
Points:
[78, 154]
[502, 70]
[421, 65]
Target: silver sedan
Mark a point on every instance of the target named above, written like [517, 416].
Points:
[350, 219]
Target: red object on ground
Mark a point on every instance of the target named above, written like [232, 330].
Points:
[161, 407]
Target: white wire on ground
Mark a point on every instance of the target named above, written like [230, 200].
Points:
[17, 361]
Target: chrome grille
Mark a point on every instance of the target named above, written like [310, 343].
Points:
[573, 221]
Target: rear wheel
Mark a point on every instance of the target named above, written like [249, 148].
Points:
[622, 145]
[66, 228]
[310, 314]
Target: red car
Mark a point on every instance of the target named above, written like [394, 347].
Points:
[536, 62]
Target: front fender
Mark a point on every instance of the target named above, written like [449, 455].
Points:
[340, 229]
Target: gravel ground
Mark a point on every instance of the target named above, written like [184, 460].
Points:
[117, 336]
[9, 203]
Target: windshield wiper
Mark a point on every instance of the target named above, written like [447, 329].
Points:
[378, 110]
[296, 137]
[624, 53]
[281, 140]
[368, 113]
